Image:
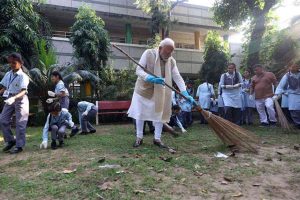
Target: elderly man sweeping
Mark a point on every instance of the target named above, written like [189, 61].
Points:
[151, 100]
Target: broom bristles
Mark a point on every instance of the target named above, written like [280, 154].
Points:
[230, 133]
[284, 123]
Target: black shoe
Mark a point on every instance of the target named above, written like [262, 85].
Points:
[9, 146]
[83, 133]
[159, 144]
[138, 142]
[93, 131]
[16, 150]
[263, 124]
[53, 145]
[273, 124]
[65, 136]
[74, 132]
[61, 144]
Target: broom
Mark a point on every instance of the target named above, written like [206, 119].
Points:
[284, 123]
[230, 134]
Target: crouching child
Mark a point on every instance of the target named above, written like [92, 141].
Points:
[174, 120]
[86, 111]
[57, 122]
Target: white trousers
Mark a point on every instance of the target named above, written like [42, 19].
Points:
[140, 129]
[260, 106]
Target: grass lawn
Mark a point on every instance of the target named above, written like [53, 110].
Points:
[192, 173]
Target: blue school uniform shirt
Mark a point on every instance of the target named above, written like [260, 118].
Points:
[293, 94]
[83, 106]
[60, 87]
[63, 118]
[185, 105]
[246, 101]
[14, 83]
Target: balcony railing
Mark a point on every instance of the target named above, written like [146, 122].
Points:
[116, 39]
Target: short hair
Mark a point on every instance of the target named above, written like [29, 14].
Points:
[167, 42]
[233, 64]
[56, 73]
[176, 107]
[257, 65]
[54, 107]
[15, 56]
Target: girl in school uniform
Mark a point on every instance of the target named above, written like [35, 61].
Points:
[57, 121]
[231, 89]
[291, 81]
[61, 92]
[86, 112]
[205, 93]
[14, 89]
[248, 104]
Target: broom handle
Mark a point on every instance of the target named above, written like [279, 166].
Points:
[148, 72]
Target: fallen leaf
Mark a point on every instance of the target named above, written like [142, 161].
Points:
[264, 142]
[198, 173]
[237, 195]
[268, 159]
[166, 159]
[296, 147]
[279, 153]
[182, 180]
[172, 150]
[224, 183]
[109, 166]
[229, 179]
[120, 172]
[99, 196]
[256, 184]
[106, 186]
[139, 192]
[101, 160]
[69, 171]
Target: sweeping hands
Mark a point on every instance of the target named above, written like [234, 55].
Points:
[190, 98]
[155, 80]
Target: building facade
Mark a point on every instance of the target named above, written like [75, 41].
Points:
[129, 28]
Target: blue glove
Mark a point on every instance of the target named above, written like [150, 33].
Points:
[152, 79]
[190, 98]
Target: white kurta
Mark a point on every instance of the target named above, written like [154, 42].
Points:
[205, 92]
[143, 108]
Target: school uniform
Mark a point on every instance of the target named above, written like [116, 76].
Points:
[232, 96]
[291, 81]
[285, 107]
[91, 111]
[205, 92]
[220, 103]
[57, 125]
[175, 122]
[186, 112]
[14, 83]
[64, 101]
[248, 104]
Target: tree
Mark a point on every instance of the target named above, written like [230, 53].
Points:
[232, 13]
[89, 38]
[216, 56]
[21, 27]
[160, 11]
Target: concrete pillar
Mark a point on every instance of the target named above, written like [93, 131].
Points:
[128, 31]
[197, 40]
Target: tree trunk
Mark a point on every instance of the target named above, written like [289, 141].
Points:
[255, 40]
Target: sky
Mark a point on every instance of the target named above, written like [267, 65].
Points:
[286, 11]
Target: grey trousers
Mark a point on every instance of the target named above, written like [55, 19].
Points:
[64, 102]
[21, 109]
[247, 115]
[58, 132]
[86, 126]
[233, 114]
